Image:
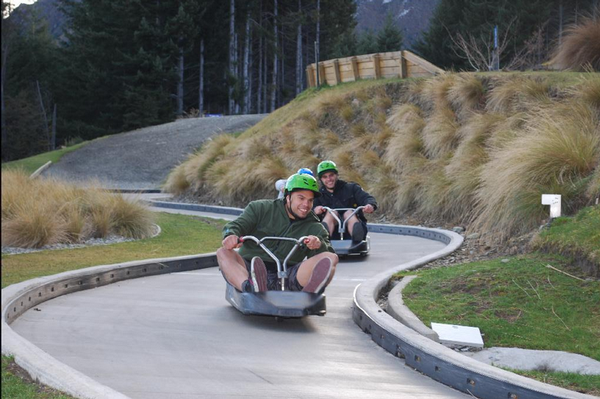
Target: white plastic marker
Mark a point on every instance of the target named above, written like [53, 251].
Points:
[554, 201]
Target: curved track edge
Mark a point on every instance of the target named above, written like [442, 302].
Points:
[18, 298]
[431, 358]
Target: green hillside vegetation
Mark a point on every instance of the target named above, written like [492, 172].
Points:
[465, 148]
[576, 237]
[31, 164]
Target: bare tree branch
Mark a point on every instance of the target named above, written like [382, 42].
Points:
[479, 53]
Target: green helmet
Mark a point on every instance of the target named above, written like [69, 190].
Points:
[326, 166]
[302, 182]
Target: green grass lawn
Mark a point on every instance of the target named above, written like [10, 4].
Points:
[31, 164]
[180, 235]
[577, 236]
[16, 385]
[520, 303]
[589, 384]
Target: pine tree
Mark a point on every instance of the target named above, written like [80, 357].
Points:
[367, 43]
[389, 38]
[28, 90]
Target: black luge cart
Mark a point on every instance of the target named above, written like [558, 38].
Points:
[344, 246]
[278, 303]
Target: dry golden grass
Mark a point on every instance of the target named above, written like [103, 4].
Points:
[380, 140]
[177, 182]
[77, 224]
[434, 191]
[588, 90]
[42, 212]
[580, 47]
[256, 147]
[517, 93]
[405, 142]
[414, 93]
[327, 142]
[358, 130]
[190, 174]
[384, 188]
[32, 226]
[506, 130]
[15, 186]
[129, 218]
[440, 133]
[347, 113]
[435, 91]
[467, 94]
[562, 147]
[464, 169]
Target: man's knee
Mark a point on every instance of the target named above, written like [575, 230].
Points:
[223, 256]
[221, 253]
[333, 257]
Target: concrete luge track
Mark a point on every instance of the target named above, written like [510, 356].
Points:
[174, 335]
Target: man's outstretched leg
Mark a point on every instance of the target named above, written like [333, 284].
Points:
[330, 223]
[356, 228]
[234, 269]
[315, 273]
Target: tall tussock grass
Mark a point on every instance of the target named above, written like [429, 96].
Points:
[43, 212]
[474, 149]
[517, 93]
[580, 46]
[188, 175]
[440, 133]
[467, 94]
[560, 149]
[589, 90]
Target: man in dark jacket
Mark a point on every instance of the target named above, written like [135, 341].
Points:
[336, 193]
[252, 270]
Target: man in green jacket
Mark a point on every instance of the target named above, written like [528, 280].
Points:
[310, 269]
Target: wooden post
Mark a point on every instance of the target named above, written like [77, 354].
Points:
[336, 72]
[322, 75]
[376, 66]
[355, 73]
[310, 75]
[402, 70]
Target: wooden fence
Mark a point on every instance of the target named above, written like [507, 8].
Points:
[397, 64]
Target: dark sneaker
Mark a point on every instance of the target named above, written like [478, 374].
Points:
[258, 274]
[359, 232]
[319, 276]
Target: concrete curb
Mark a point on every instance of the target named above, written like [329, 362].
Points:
[196, 207]
[18, 298]
[431, 358]
[399, 311]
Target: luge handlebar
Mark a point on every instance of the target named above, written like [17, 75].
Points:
[342, 225]
[281, 268]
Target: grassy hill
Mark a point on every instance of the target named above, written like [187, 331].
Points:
[471, 149]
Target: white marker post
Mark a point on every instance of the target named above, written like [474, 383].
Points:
[554, 201]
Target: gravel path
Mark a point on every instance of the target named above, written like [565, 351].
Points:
[143, 158]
